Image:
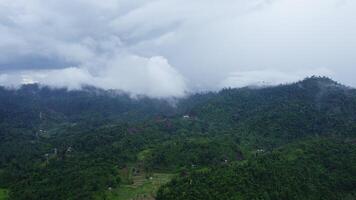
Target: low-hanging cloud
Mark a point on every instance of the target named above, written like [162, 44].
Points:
[164, 48]
[153, 77]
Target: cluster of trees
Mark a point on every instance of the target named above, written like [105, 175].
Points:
[193, 153]
[59, 144]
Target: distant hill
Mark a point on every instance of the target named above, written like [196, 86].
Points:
[316, 105]
[31, 102]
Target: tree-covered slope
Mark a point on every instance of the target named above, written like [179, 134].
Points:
[276, 115]
[317, 169]
[30, 105]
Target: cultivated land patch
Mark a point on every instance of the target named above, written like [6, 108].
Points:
[143, 187]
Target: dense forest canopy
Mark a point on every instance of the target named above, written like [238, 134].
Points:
[293, 141]
[316, 169]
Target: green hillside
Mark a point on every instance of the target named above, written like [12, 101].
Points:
[317, 169]
[94, 144]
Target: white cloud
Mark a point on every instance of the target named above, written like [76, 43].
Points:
[153, 77]
[127, 45]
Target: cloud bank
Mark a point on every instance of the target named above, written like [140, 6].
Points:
[153, 77]
[164, 48]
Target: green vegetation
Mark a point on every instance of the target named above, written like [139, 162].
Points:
[95, 144]
[4, 194]
[321, 169]
[203, 151]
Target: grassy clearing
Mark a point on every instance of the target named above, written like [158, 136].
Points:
[142, 188]
[4, 194]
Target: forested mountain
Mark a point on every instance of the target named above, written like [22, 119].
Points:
[32, 103]
[231, 144]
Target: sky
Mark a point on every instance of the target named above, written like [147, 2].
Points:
[164, 48]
